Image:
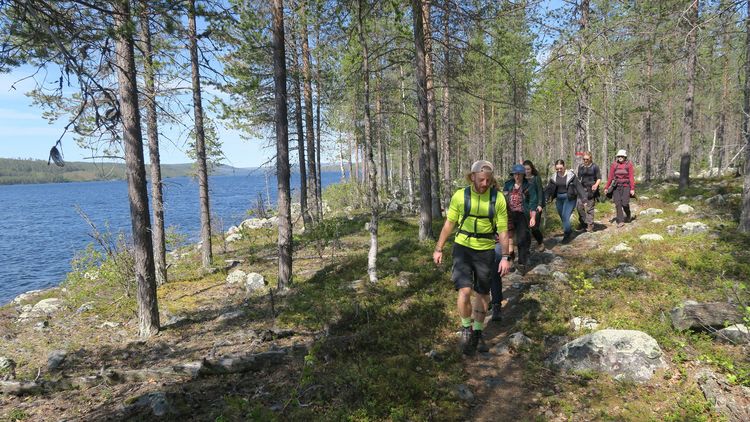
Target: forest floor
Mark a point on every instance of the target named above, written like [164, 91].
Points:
[352, 350]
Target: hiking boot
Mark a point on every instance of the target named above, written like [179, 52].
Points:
[476, 343]
[590, 228]
[522, 269]
[540, 247]
[566, 239]
[496, 315]
[481, 345]
[464, 337]
[581, 226]
[620, 225]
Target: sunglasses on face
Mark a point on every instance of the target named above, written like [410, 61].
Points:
[559, 168]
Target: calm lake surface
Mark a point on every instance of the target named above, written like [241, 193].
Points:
[40, 230]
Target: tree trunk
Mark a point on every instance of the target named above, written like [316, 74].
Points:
[648, 134]
[425, 210]
[688, 122]
[312, 168]
[297, 92]
[446, 114]
[282, 148]
[372, 192]
[318, 102]
[152, 130]
[148, 309]
[582, 94]
[431, 112]
[744, 225]
[726, 48]
[407, 139]
[200, 141]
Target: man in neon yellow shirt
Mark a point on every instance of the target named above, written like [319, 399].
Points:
[474, 249]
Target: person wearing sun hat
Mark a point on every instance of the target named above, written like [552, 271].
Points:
[522, 202]
[481, 215]
[622, 180]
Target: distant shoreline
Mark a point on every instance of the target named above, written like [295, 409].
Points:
[15, 171]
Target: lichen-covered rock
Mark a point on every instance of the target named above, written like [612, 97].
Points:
[651, 237]
[236, 277]
[651, 211]
[684, 209]
[583, 323]
[620, 247]
[255, 282]
[624, 354]
[736, 334]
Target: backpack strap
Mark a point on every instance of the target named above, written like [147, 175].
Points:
[490, 216]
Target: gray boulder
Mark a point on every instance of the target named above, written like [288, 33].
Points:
[540, 269]
[236, 277]
[254, 282]
[732, 401]
[700, 316]
[624, 354]
[717, 200]
[42, 308]
[651, 237]
[657, 220]
[694, 227]
[736, 334]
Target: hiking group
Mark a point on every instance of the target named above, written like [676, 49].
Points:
[495, 227]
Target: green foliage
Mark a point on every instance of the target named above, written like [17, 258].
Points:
[16, 415]
[341, 196]
[173, 239]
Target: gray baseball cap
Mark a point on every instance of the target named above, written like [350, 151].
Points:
[482, 166]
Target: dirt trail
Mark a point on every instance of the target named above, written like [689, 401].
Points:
[497, 378]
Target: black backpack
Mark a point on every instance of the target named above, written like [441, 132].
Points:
[490, 216]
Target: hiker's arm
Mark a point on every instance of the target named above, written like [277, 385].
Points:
[437, 255]
[504, 267]
[598, 177]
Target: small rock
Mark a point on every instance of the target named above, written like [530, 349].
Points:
[620, 247]
[540, 269]
[581, 323]
[234, 237]
[684, 209]
[657, 220]
[517, 285]
[236, 277]
[560, 276]
[518, 340]
[501, 348]
[254, 282]
[7, 368]
[651, 211]
[694, 227]
[41, 325]
[393, 259]
[110, 324]
[55, 359]
[24, 296]
[85, 307]
[156, 402]
[464, 393]
[651, 237]
[643, 198]
[716, 200]
[404, 279]
[736, 334]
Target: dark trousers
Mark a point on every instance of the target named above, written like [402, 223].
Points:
[621, 198]
[521, 235]
[536, 231]
[496, 282]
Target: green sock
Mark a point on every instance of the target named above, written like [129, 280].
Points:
[465, 322]
[478, 325]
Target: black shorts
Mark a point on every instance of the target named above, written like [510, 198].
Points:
[473, 268]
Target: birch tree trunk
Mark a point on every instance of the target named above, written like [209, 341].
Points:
[152, 131]
[688, 122]
[148, 309]
[372, 192]
[648, 133]
[200, 141]
[425, 211]
[282, 148]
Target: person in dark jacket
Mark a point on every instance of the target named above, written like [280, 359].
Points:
[535, 182]
[590, 177]
[522, 203]
[565, 187]
[622, 174]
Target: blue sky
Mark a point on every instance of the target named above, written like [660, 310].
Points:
[27, 135]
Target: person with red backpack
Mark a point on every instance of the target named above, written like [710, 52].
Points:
[621, 182]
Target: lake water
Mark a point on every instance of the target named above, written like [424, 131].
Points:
[40, 230]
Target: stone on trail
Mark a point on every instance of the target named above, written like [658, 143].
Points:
[684, 209]
[624, 354]
[464, 393]
[560, 276]
[651, 211]
[540, 269]
[519, 340]
[620, 247]
[651, 237]
[736, 334]
[657, 220]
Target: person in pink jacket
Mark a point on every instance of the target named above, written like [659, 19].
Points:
[622, 182]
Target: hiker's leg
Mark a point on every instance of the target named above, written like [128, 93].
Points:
[581, 213]
[479, 310]
[523, 237]
[568, 207]
[463, 279]
[484, 266]
[464, 302]
[590, 209]
[536, 231]
[619, 202]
